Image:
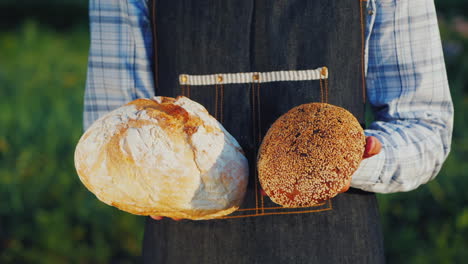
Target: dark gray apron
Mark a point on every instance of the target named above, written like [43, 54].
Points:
[209, 37]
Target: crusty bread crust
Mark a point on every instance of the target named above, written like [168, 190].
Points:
[309, 154]
[163, 156]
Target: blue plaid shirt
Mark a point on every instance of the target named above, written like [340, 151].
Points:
[406, 83]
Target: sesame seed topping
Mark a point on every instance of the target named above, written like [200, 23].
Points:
[309, 154]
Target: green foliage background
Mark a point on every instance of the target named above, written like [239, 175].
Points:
[47, 216]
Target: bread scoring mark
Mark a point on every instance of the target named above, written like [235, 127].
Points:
[173, 111]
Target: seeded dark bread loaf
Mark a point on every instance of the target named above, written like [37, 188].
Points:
[309, 154]
[163, 156]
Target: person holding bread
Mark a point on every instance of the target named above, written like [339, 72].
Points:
[250, 62]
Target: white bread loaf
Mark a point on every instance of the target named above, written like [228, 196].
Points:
[163, 156]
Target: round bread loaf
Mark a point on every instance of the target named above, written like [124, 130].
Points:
[165, 157]
[309, 154]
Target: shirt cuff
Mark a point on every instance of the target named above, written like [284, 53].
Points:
[369, 172]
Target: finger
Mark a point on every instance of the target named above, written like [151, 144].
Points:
[156, 217]
[373, 147]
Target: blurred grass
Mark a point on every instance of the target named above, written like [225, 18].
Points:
[46, 215]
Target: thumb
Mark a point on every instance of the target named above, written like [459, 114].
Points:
[373, 147]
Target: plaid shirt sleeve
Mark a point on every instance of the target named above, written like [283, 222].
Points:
[119, 63]
[408, 90]
[406, 83]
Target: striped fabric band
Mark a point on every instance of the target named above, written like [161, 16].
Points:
[260, 77]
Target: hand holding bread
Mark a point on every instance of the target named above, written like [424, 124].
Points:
[168, 157]
[310, 153]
